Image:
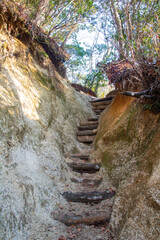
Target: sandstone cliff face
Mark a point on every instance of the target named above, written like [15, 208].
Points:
[128, 142]
[39, 113]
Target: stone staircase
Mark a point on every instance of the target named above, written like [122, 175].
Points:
[92, 204]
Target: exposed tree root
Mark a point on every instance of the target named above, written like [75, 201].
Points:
[143, 94]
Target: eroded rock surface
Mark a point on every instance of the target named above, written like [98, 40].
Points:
[39, 114]
[128, 142]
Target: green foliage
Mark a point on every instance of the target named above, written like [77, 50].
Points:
[59, 17]
[95, 80]
[139, 23]
[82, 69]
[64, 19]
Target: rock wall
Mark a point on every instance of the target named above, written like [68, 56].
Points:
[39, 113]
[128, 142]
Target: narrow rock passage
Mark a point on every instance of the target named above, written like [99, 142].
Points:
[88, 211]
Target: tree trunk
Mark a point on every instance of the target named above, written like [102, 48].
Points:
[129, 28]
[119, 28]
[41, 11]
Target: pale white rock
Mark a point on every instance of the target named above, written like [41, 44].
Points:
[37, 131]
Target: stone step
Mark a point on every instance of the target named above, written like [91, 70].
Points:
[88, 197]
[98, 104]
[87, 182]
[82, 128]
[92, 119]
[84, 167]
[84, 156]
[99, 218]
[78, 160]
[87, 132]
[101, 107]
[89, 123]
[98, 112]
[102, 99]
[86, 139]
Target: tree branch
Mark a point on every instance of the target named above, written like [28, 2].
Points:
[68, 36]
[143, 94]
[53, 23]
